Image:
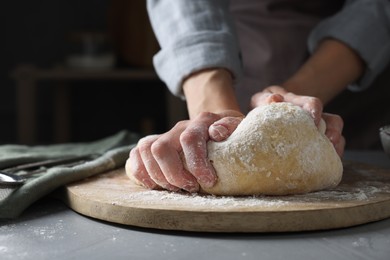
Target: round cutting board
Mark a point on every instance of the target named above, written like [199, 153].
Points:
[363, 196]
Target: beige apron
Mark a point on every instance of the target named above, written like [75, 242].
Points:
[273, 39]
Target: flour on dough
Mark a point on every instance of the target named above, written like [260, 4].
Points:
[275, 150]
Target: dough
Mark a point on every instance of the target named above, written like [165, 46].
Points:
[276, 150]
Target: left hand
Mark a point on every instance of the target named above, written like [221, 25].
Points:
[177, 159]
[334, 123]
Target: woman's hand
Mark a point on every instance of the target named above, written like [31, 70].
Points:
[279, 94]
[327, 72]
[334, 123]
[334, 129]
[177, 159]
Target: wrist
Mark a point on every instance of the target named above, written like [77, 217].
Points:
[331, 68]
[210, 90]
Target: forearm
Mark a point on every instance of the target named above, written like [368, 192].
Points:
[327, 72]
[193, 35]
[210, 91]
[364, 26]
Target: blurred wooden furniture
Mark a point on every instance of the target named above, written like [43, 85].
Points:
[27, 78]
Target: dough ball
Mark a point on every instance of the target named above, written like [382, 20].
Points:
[276, 150]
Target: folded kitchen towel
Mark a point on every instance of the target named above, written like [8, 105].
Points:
[107, 154]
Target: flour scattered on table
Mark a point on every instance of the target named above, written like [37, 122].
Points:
[352, 190]
[194, 200]
[361, 192]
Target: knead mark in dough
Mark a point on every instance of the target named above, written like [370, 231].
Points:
[276, 150]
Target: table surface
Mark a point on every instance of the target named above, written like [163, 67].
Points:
[49, 230]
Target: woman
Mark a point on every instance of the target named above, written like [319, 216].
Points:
[226, 57]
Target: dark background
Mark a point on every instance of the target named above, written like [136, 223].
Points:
[37, 32]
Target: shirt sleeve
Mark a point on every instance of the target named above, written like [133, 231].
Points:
[364, 25]
[193, 35]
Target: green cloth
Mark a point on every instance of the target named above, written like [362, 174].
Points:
[112, 153]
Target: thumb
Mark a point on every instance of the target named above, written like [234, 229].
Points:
[220, 130]
[264, 98]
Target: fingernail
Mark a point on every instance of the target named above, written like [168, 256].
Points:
[312, 113]
[220, 130]
[149, 184]
[171, 187]
[191, 187]
[207, 181]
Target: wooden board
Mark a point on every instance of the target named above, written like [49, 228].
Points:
[363, 196]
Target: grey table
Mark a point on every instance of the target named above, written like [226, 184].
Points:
[49, 230]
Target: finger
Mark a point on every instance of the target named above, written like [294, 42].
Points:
[340, 146]
[264, 98]
[166, 150]
[223, 128]
[137, 172]
[311, 104]
[194, 143]
[322, 126]
[334, 128]
[272, 94]
[151, 165]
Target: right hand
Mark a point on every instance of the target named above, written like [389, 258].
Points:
[334, 123]
[178, 159]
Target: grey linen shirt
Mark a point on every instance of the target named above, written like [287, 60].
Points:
[263, 42]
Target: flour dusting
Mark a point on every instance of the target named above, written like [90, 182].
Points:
[362, 191]
[276, 150]
[360, 185]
